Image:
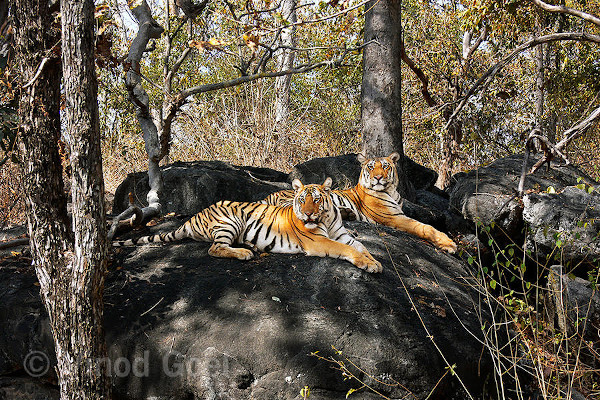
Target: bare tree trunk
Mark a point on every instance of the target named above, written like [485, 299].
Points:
[285, 61]
[381, 107]
[70, 277]
[148, 29]
[78, 329]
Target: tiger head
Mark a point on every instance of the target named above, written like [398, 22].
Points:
[379, 173]
[312, 203]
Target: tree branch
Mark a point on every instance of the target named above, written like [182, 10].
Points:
[420, 74]
[579, 129]
[492, 71]
[567, 10]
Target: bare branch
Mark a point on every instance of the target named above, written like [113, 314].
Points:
[493, 70]
[567, 10]
[184, 94]
[470, 50]
[420, 74]
[579, 129]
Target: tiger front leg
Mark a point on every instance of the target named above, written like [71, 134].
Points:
[346, 238]
[331, 248]
[424, 231]
[221, 247]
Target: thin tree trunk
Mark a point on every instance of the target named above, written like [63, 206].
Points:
[285, 61]
[39, 128]
[148, 29]
[78, 328]
[70, 285]
[381, 107]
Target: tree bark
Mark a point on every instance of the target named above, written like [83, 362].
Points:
[70, 276]
[285, 61]
[381, 107]
[78, 329]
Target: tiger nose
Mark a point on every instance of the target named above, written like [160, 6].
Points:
[378, 177]
[308, 213]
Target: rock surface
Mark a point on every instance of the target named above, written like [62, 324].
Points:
[569, 220]
[483, 194]
[579, 303]
[192, 186]
[189, 326]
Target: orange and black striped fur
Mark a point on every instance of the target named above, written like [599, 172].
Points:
[375, 199]
[310, 225]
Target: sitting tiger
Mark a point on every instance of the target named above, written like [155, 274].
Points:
[311, 225]
[375, 199]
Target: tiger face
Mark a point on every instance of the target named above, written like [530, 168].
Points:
[379, 173]
[312, 203]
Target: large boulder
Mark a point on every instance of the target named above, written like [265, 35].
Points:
[487, 194]
[568, 220]
[183, 325]
[192, 186]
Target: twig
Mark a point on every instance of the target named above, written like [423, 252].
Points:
[151, 308]
[37, 73]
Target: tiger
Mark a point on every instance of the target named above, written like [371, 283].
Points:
[309, 225]
[375, 200]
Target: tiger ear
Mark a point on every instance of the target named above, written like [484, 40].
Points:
[394, 156]
[327, 183]
[297, 185]
[362, 158]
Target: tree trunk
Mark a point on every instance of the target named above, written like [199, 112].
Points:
[79, 328]
[148, 29]
[71, 278]
[450, 144]
[381, 107]
[285, 61]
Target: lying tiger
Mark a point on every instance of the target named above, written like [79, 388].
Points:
[311, 225]
[375, 199]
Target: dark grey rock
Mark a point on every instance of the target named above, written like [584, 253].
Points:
[577, 303]
[231, 329]
[268, 315]
[192, 186]
[24, 324]
[484, 194]
[20, 388]
[571, 217]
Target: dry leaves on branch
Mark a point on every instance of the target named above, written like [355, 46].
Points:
[211, 44]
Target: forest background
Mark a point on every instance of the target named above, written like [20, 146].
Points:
[447, 46]
[250, 83]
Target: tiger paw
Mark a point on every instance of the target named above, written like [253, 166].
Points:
[243, 254]
[445, 243]
[369, 264]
